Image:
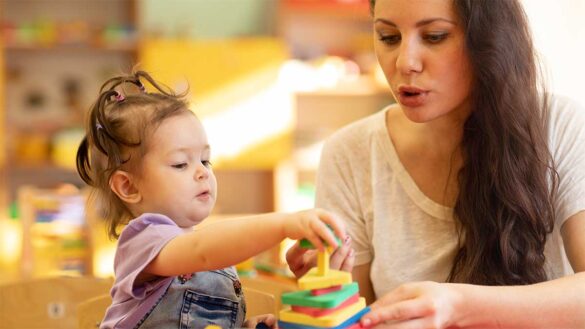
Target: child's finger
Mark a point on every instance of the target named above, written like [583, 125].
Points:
[315, 235]
[335, 223]
[326, 235]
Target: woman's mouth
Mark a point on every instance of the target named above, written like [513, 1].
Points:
[412, 96]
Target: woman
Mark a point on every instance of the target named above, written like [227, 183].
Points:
[465, 200]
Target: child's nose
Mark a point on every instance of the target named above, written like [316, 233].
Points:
[202, 172]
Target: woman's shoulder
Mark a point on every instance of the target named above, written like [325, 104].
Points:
[565, 109]
[566, 117]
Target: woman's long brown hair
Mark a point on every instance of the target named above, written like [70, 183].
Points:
[505, 206]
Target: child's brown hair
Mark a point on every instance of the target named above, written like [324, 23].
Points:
[117, 130]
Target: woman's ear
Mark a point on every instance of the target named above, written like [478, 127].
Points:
[123, 185]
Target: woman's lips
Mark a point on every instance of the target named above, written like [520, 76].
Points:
[412, 96]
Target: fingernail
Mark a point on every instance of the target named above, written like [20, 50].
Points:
[346, 240]
[366, 322]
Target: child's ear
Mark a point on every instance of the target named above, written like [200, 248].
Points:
[122, 184]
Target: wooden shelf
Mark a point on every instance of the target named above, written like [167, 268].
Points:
[122, 47]
[358, 9]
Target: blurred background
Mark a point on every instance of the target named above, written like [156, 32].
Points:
[270, 79]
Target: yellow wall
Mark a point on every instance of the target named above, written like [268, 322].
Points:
[222, 74]
[209, 65]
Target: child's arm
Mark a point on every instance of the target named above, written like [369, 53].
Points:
[228, 242]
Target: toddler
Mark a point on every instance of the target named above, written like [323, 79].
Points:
[147, 157]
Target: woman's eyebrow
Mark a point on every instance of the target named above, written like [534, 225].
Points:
[418, 24]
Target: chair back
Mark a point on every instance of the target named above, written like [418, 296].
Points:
[90, 313]
[47, 303]
[270, 286]
[259, 302]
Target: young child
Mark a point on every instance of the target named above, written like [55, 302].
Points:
[147, 156]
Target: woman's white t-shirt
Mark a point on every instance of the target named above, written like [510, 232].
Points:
[405, 235]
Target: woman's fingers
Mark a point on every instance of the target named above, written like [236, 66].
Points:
[347, 265]
[399, 312]
[342, 257]
[409, 324]
[300, 260]
[294, 256]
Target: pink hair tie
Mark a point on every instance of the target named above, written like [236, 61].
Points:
[119, 97]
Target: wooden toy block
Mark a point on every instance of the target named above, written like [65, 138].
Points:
[349, 322]
[316, 311]
[312, 279]
[317, 292]
[334, 299]
[330, 320]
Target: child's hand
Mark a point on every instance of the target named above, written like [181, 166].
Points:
[312, 225]
[267, 321]
[301, 260]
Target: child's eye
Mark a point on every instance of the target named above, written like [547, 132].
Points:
[389, 39]
[206, 163]
[182, 165]
[435, 37]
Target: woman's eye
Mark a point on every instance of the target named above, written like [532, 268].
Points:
[180, 165]
[435, 37]
[389, 39]
[206, 163]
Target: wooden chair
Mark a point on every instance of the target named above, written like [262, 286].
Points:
[91, 312]
[270, 286]
[259, 302]
[47, 303]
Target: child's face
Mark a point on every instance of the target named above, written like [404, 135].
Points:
[176, 179]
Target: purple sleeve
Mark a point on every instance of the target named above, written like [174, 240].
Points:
[139, 243]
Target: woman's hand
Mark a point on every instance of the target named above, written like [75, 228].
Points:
[312, 225]
[416, 305]
[301, 260]
[269, 320]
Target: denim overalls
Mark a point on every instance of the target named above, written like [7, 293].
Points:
[194, 302]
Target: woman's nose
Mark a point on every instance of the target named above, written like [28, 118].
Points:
[409, 57]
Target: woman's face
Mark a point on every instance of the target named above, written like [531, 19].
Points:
[421, 48]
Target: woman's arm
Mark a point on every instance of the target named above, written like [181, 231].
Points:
[573, 232]
[557, 303]
[228, 242]
[361, 275]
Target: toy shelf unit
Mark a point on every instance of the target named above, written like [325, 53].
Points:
[56, 239]
[55, 55]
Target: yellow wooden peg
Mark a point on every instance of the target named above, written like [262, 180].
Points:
[323, 262]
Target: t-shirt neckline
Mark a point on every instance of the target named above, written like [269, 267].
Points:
[416, 195]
